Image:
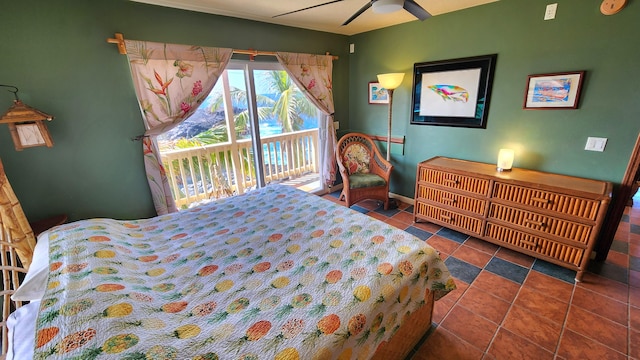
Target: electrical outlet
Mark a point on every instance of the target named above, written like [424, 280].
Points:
[336, 125]
[550, 12]
[595, 144]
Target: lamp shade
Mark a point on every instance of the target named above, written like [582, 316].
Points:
[387, 6]
[505, 159]
[390, 81]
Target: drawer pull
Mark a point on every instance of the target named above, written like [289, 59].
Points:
[446, 217]
[450, 182]
[449, 200]
[529, 243]
[532, 222]
[540, 200]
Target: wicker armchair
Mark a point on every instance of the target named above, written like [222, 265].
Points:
[365, 173]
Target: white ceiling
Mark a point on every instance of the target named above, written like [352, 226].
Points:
[324, 18]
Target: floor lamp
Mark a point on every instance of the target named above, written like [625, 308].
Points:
[390, 82]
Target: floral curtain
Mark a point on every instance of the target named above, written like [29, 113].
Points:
[171, 81]
[313, 75]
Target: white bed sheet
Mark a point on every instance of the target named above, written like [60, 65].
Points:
[34, 284]
[22, 338]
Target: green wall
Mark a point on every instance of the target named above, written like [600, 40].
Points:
[580, 38]
[56, 53]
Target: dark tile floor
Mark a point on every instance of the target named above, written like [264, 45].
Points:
[512, 306]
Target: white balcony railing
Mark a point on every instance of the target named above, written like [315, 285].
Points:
[221, 170]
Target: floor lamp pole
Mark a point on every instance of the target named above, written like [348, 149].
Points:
[390, 92]
[390, 82]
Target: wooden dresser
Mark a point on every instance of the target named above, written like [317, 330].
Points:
[548, 216]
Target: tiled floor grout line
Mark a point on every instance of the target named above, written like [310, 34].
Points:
[628, 343]
[629, 331]
[455, 303]
[565, 320]
[504, 318]
[629, 328]
[494, 255]
[629, 298]
[512, 304]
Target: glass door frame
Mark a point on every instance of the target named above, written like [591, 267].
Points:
[248, 67]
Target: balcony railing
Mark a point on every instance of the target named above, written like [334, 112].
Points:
[226, 169]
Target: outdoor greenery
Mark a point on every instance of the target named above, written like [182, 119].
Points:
[280, 100]
[288, 107]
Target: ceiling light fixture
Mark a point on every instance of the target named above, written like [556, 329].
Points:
[387, 6]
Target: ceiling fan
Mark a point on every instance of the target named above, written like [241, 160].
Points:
[379, 6]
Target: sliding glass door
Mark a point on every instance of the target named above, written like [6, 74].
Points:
[256, 127]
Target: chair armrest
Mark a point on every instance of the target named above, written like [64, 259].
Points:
[380, 166]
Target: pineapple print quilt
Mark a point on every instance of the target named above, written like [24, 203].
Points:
[272, 274]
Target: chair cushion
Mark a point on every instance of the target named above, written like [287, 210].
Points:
[357, 181]
[356, 159]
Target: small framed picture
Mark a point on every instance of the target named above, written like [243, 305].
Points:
[377, 94]
[553, 91]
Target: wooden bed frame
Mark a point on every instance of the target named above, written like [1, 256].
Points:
[17, 242]
[409, 334]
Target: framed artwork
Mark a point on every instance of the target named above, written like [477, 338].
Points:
[453, 92]
[553, 91]
[377, 94]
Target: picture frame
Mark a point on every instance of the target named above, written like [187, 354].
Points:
[553, 91]
[377, 94]
[453, 92]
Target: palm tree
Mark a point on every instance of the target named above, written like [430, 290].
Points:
[291, 104]
[288, 108]
[218, 133]
[283, 101]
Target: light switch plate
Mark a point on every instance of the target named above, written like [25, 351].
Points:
[550, 12]
[595, 144]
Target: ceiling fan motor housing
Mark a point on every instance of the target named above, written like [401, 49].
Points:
[380, 7]
[387, 6]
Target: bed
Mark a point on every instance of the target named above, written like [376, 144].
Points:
[272, 274]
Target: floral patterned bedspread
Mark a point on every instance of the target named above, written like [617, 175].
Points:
[272, 274]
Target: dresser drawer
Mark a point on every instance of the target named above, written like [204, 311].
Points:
[469, 184]
[547, 224]
[548, 200]
[451, 218]
[462, 202]
[565, 253]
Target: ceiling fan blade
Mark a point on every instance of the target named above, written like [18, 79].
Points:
[307, 8]
[416, 10]
[359, 12]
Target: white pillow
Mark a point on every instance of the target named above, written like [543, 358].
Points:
[35, 282]
[22, 331]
